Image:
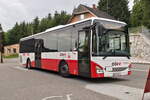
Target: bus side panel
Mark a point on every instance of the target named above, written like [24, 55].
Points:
[49, 61]
[25, 56]
[27, 51]
[73, 66]
[93, 71]
[49, 64]
[71, 60]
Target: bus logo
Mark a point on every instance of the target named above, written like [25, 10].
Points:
[116, 64]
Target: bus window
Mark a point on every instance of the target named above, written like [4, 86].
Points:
[83, 42]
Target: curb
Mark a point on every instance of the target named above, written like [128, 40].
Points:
[139, 62]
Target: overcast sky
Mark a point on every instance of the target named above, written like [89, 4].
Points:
[12, 11]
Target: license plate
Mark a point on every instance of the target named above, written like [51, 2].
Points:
[116, 74]
[109, 69]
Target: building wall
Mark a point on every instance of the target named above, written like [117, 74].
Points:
[78, 17]
[11, 49]
[140, 46]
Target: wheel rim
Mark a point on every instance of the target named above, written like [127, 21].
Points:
[64, 69]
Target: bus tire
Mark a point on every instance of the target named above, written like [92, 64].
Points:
[28, 64]
[64, 69]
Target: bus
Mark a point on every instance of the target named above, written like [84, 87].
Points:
[93, 48]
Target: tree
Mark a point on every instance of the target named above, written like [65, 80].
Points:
[146, 15]
[14, 34]
[25, 29]
[36, 23]
[49, 16]
[44, 24]
[137, 13]
[6, 40]
[60, 18]
[116, 8]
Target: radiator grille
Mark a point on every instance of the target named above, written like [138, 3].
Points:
[119, 69]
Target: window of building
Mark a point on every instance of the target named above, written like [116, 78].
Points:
[14, 50]
[82, 17]
[9, 50]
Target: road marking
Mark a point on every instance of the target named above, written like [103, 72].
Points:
[52, 97]
[21, 68]
[68, 96]
[139, 70]
[118, 91]
[147, 96]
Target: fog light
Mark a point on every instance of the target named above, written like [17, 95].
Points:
[99, 70]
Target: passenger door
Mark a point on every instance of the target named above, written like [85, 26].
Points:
[84, 52]
[38, 50]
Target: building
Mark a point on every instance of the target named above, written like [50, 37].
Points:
[11, 49]
[83, 12]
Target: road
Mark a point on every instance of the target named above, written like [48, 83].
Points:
[17, 83]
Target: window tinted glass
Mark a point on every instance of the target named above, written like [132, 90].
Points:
[50, 41]
[64, 40]
[27, 46]
[83, 41]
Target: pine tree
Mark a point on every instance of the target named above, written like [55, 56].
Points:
[25, 29]
[116, 8]
[137, 13]
[36, 23]
[146, 15]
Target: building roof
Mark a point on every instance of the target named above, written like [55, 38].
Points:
[95, 11]
[99, 13]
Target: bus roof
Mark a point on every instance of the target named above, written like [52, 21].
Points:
[63, 26]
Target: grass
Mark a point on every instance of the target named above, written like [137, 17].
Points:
[135, 30]
[12, 56]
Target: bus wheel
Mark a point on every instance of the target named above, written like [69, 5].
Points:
[28, 64]
[64, 69]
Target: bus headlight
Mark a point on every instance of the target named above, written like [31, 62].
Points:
[99, 70]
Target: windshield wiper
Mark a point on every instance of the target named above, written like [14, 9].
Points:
[110, 51]
[105, 57]
[128, 57]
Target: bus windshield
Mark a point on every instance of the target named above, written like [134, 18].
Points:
[111, 43]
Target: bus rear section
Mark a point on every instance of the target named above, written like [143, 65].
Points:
[93, 48]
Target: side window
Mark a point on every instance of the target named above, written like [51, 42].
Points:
[50, 41]
[27, 46]
[64, 40]
[74, 40]
[83, 41]
[94, 42]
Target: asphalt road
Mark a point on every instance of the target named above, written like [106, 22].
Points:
[17, 83]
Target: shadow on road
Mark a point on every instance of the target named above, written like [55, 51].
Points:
[84, 79]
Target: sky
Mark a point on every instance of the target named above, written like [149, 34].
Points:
[12, 11]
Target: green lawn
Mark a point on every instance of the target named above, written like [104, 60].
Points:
[12, 56]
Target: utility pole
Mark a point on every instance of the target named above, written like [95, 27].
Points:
[1, 44]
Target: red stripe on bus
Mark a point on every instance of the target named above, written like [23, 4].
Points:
[93, 71]
[53, 64]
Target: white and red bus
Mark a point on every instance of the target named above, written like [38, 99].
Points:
[94, 47]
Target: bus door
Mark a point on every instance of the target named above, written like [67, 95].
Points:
[84, 52]
[38, 50]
